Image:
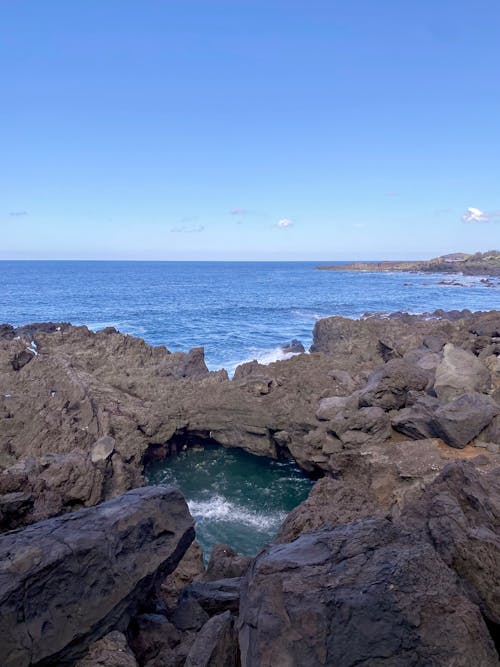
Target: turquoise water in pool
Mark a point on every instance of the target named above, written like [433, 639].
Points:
[236, 498]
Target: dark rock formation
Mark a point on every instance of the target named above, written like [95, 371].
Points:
[294, 346]
[331, 502]
[460, 514]
[214, 596]
[225, 563]
[110, 651]
[462, 419]
[367, 593]
[216, 645]
[66, 582]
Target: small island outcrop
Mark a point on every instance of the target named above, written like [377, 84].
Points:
[477, 264]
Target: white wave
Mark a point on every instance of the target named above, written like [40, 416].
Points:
[218, 508]
[309, 316]
[264, 357]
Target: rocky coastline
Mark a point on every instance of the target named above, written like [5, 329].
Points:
[477, 264]
[394, 558]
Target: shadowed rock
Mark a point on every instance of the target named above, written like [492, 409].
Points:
[367, 593]
[66, 582]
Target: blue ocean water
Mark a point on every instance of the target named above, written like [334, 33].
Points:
[236, 310]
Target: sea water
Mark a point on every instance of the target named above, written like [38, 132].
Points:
[236, 498]
[237, 310]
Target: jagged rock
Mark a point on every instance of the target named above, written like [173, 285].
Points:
[331, 502]
[214, 596]
[460, 513]
[388, 386]
[150, 634]
[462, 419]
[102, 449]
[54, 483]
[416, 420]
[216, 645]
[293, 347]
[458, 373]
[354, 427]
[190, 567]
[110, 651]
[189, 615]
[225, 563]
[66, 582]
[364, 593]
[330, 406]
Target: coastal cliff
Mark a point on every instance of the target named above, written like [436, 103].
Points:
[397, 415]
[478, 264]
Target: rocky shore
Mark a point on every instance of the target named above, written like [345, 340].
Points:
[394, 558]
[478, 264]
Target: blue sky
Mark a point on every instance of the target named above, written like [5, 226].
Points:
[244, 129]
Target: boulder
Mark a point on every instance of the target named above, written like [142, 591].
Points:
[190, 567]
[331, 502]
[462, 419]
[416, 420]
[216, 645]
[366, 593]
[354, 427]
[150, 634]
[388, 386]
[293, 347]
[225, 563]
[458, 373]
[110, 651]
[459, 512]
[66, 582]
[214, 596]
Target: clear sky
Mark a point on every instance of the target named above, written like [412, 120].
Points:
[249, 129]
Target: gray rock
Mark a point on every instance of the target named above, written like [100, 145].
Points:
[458, 373]
[110, 651]
[460, 514]
[461, 420]
[102, 449]
[66, 582]
[189, 615]
[214, 596]
[367, 593]
[225, 563]
[216, 645]
[388, 386]
[416, 421]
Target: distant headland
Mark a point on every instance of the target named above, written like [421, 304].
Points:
[477, 264]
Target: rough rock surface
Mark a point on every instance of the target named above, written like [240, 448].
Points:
[66, 582]
[366, 593]
[216, 645]
[190, 567]
[110, 651]
[460, 514]
[460, 372]
[331, 502]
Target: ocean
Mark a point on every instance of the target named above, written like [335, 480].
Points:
[237, 310]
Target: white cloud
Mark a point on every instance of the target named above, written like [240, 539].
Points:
[284, 223]
[476, 215]
[183, 229]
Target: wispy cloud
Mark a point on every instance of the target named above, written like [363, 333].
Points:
[18, 214]
[185, 229]
[238, 211]
[476, 215]
[284, 223]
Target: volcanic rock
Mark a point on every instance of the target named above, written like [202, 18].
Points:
[66, 582]
[216, 645]
[458, 373]
[463, 418]
[364, 593]
[110, 651]
[460, 514]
